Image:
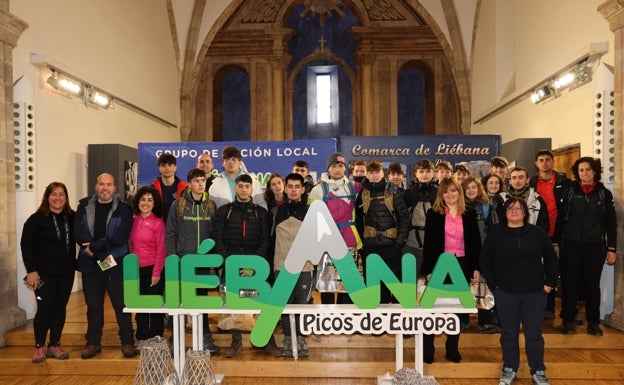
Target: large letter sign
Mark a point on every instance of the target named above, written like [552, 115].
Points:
[318, 235]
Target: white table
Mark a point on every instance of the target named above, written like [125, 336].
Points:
[178, 316]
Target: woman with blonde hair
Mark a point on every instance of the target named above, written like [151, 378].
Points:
[451, 227]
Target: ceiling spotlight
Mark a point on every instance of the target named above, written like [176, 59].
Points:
[100, 99]
[63, 83]
[541, 93]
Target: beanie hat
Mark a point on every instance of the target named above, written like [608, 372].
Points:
[336, 157]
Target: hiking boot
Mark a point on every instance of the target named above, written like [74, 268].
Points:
[287, 349]
[90, 351]
[209, 344]
[594, 329]
[508, 377]
[302, 346]
[55, 351]
[39, 354]
[129, 350]
[235, 347]
[568, 328]
[539, 378]
[272, 349]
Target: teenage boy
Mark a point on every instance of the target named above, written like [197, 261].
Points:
[419, 198]
[382, 221]
[359, 171]
[301, 167]
[339, 194]
[189, 223]
[461, 172]
[519, 187]
[396, 176]
[286, 224]
[168, 185]
[222, 189]
[443, 170]
[241, 227]
[499, 165]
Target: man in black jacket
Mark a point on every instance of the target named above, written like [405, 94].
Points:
[550, 186]
[382, 220]
[242, 228]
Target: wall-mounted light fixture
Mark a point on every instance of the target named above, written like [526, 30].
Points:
[67, 81]
[89, 94]
[569, 78]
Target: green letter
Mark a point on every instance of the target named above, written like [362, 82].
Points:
[447, 265]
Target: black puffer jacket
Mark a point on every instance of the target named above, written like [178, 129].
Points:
[378, 215]
[241, 228]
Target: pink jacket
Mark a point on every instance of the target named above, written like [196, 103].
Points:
[147, 241]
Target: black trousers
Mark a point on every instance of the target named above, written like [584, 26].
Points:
[580, 267]
[149, 325]
[528, 309]
[391, 255]
[51, 306]
[95, 284]
[300, 295]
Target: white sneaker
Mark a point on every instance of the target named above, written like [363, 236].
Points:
[539, 378]
[508, 377]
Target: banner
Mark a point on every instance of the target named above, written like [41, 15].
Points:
[259, 158]
[473, 150]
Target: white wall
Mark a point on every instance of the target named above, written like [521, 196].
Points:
[124, 47]
[546, 36]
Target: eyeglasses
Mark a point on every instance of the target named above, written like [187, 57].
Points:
[231, 160]
[514, 208]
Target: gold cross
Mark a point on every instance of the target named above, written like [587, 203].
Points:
[322, 42]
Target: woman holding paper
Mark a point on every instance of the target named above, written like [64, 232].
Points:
[49, 254]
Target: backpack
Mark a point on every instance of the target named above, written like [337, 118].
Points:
[601, 198]
[388, 198]
[210, 207]
[327, 197]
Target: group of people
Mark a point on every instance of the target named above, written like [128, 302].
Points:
[517, 233]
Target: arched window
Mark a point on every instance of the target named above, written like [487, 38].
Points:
[232, 105]
[415, 99]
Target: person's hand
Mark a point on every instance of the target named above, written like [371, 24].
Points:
[86, 249]
[556, 247]
[32, 279]
[547, 289]
[611, 257]
[155, 280]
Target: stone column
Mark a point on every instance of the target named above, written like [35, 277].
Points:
[278, 126]
[613, 11]
[10, 315]
[279, 63]
[366, 85]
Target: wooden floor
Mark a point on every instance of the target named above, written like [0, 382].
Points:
[344, 360]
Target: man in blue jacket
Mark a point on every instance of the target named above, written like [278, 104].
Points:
[102, 227]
